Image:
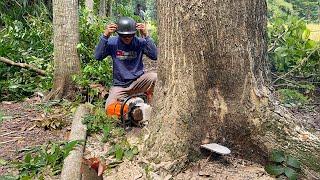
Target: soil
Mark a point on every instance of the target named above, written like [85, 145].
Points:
[20, 130]
[211, 166]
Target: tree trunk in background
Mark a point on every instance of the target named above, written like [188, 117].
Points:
[102, 8]
[49, 6]
[319, 13]
[66, 38]
[89, 5]
[211, 85]
[109, 8]
[308, 14]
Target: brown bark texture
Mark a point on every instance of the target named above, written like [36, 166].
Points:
[66, 38]
[212, 70]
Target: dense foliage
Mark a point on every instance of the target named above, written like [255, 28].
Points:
[27, 37]
[283, 165]
[43, 161]
[27, 40]
[295, 59]
[307, 9]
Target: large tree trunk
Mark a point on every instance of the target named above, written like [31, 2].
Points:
[211, 85]
[66, 38]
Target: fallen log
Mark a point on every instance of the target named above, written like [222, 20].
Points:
[72, 164]
[23, 65]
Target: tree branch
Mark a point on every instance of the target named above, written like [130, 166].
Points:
[299, 65]
[23, 65]
[275, 42]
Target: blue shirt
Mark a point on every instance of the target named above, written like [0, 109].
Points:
[127, 59]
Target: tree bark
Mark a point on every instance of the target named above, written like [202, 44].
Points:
[211, 86]
[66, 58]
[89, 5]
[109, 8]
[102, 8]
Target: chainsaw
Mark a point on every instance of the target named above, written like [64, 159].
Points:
[133, 110]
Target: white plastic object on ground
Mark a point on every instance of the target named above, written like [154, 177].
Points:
[217, 148]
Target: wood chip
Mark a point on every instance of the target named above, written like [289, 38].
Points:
[203, 173]
[8, 133]
[138, 176]
[7, 102]
[8, 141]
[32, 127]
[23, 128]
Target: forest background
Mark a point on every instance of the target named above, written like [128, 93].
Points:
[26, 33]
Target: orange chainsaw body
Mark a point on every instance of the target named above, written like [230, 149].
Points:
[114, 109]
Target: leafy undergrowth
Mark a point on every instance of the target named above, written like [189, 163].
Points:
[26, 128]
[283, 165]
[43, 161]
[295, 61]
[107, 145]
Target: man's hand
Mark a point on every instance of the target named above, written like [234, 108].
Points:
[143, 29]
[111, 28]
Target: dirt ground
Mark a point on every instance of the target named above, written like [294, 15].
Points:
[19, 131]
[210, 167]
[231, 167]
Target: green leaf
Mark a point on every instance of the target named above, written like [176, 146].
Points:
[306, 34]
[277, 156]
[293, 162]
[311, 44]
[13, 86]
[69, 146]
[1, 117]
[26, 177]
[8, 177]
[111, 151]
[290, 173]
[119, 153]
[135, 150]
[79, 45]
[3, 162]
[129, 154]
[27, 158]
[274, 169]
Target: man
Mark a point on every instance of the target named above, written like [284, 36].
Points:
[126, 51]
[139, 11]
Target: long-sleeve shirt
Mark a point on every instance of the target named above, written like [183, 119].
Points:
[127, 59]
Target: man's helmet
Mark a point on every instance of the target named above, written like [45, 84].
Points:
[126, 25]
